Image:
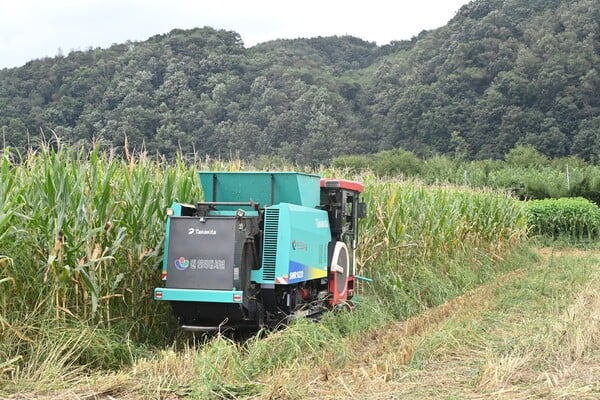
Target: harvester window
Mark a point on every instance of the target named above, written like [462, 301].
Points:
[349, 216]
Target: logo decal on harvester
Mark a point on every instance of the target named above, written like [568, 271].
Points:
[296, 275]
[181, 263]
[297, 245]
[196, 231]
[321, 223]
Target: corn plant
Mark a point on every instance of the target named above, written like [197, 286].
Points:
[84, 232]
[576, 218]
[422, 244]
[414, 221]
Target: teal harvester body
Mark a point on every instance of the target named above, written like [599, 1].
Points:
[257, 249]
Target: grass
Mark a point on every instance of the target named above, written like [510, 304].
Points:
[347, 349]
[532, 334]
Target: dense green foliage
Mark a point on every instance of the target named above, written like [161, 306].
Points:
[524, 171]
[499, 74]
[577, 218]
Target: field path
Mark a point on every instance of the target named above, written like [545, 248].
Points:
[532, 333]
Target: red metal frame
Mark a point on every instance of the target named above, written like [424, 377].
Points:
[342, 184]
[345, 295]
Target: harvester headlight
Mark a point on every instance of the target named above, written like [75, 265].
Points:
[240, 213]
[170, 212]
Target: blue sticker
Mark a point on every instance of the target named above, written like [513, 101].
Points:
[181, 263]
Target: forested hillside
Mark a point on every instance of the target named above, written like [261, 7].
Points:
[499, 74]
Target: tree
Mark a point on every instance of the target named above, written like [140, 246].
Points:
[525, 156]
[586, 143]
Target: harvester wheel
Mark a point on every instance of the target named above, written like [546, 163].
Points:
[340, 269]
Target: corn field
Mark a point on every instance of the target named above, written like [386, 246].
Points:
[411, 221]
[81, 235]
[576, 218]
[424, 244]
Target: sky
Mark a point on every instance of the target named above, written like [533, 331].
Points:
[31, 29]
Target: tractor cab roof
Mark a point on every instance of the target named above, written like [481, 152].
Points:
[342, 184]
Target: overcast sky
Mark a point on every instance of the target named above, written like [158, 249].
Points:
[31, 29]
